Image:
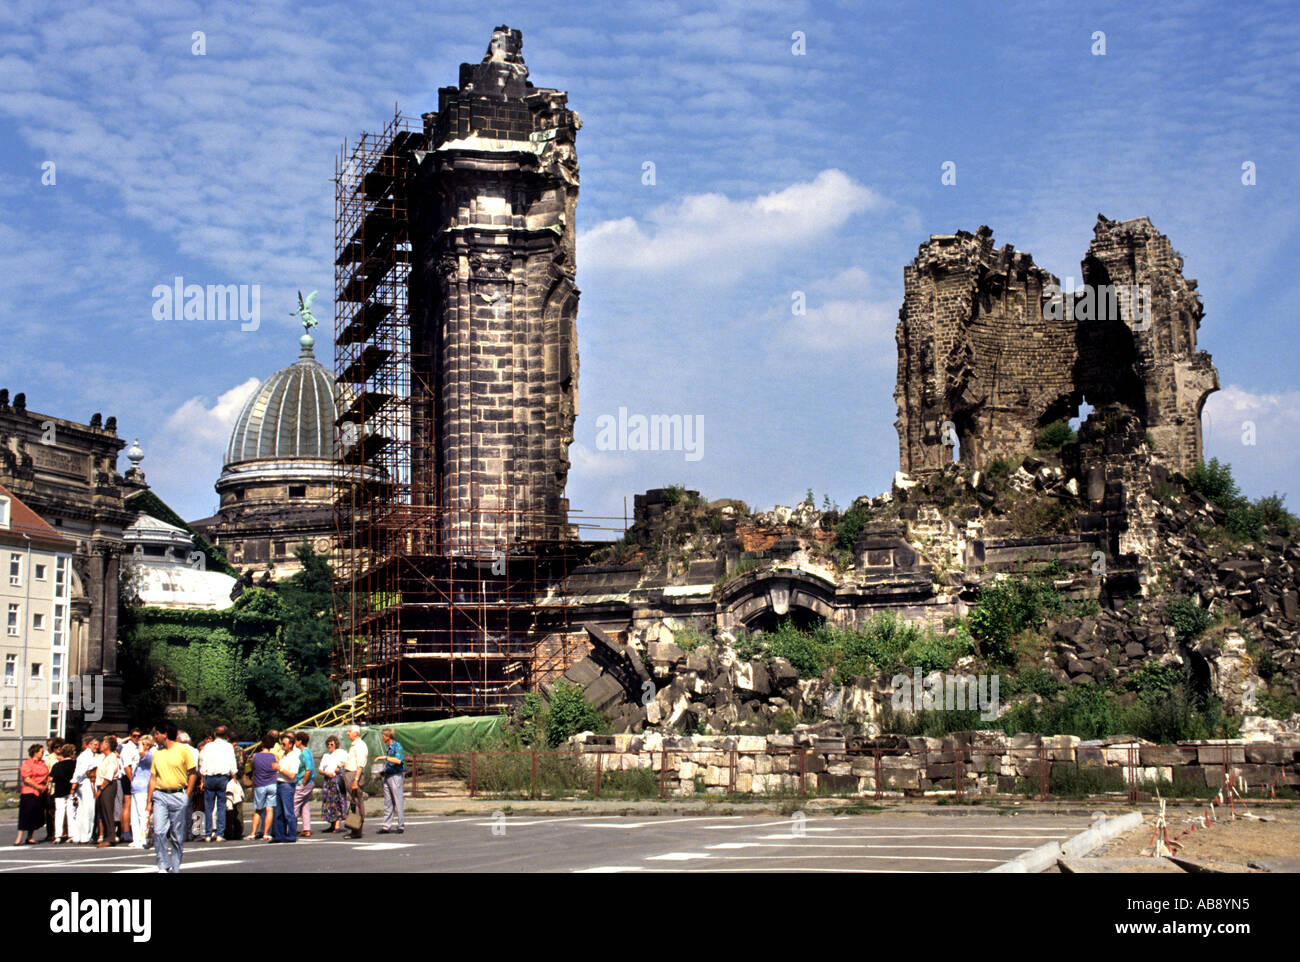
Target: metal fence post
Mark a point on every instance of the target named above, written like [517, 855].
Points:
[803, 771]
[880, 788]
[663, 774]
[1043, 772]
[731, 785]
[959, 773]
[600, 760]
[532, 783]
[473, 771]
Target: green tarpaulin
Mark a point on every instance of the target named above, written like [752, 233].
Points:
[416, 738]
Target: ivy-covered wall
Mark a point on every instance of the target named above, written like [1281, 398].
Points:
[261, 663]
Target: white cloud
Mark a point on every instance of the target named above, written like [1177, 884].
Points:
[186, 456]
[1235, 417]
[714, 236]
[195, 421]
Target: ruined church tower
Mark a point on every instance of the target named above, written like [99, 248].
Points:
[494, 304]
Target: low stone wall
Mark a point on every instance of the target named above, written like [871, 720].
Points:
[990, 762]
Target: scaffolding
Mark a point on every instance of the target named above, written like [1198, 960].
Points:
[440, 609]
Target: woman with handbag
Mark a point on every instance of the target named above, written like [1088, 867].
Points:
[34, 774]
[335, 806]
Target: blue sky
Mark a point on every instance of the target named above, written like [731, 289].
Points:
[774, 173]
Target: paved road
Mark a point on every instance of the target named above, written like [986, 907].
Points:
[585, 843]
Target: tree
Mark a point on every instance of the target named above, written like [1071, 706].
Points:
[289, 675]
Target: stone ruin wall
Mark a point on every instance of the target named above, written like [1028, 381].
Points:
[985, 362]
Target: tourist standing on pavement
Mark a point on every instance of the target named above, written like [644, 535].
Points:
[286, 775]
[394, 759]
[34, 775]
[264, 762]
[305, 785]
[217, 767]
[333, 787]
[61, 780]
[83, 791]
[129, 752]
[51, 758]
[355, 770]
[107, 782]
[171, 780]
[140, 793]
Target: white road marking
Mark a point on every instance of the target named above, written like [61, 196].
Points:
[905, 848]
[663, 821]
[888, 858]
[383, 846]
[677, 857]
[1047, 836]
[599, 869]
[185, 866]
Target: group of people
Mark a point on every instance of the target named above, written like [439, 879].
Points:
[142, 790]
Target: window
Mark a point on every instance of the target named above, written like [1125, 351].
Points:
[11, 625]
[297, 490]
[40, 572]
[61, 577]
[16, 570]
[4, 512]
[175, 696]
[56, 676]
[7, 719]
[11, 671]
[59, 617]
[38, 621]
[36, 670]
[56, 729]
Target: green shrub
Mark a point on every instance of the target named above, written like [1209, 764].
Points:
[846, 533]
[1000, 468]
[1214, 481]
[570, 713]
[1055, 436]
[1187, 618]
[690, 640]
[1007, 607]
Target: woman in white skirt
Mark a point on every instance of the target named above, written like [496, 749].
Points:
[140, 794]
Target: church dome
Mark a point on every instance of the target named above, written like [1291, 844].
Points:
[291, 415]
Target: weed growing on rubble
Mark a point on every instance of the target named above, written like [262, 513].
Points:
[1007, 607]
[884, 645]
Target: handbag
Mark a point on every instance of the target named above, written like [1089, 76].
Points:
[353, 822]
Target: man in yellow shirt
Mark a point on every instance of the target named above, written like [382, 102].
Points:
[171, 780]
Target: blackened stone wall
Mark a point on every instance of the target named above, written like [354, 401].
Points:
[494, 304]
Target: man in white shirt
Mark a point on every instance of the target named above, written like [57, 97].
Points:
[286, 773]
[216, 768]
[354, 770]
